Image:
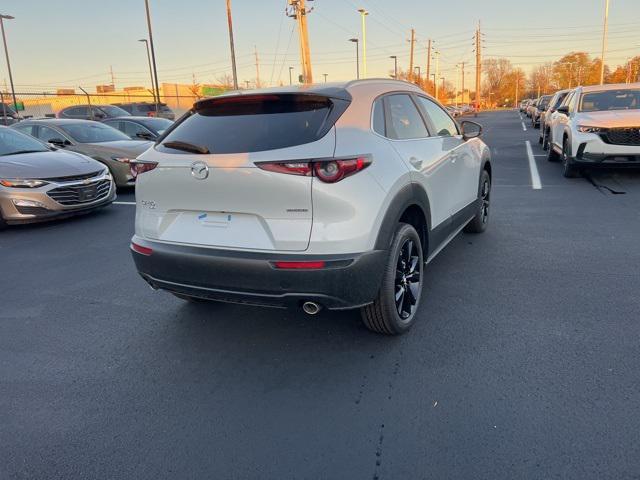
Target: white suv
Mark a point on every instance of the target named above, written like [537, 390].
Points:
[332, 196]
[597, 126]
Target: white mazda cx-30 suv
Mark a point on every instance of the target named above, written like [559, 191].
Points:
[333, 195]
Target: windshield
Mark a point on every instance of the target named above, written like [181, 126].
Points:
[92, 132]
[113, 111]
[610, 100]
[12, 142]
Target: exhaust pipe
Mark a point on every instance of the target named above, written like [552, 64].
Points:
[311, 308]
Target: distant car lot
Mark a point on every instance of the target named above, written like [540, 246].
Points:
[528, 330]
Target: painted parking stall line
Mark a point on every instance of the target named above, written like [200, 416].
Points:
[124, 203]
[524, 127]
[536, 184]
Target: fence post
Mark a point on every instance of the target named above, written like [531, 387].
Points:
[4, 108]
[88, 101]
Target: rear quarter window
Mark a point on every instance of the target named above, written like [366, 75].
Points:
[254, 123]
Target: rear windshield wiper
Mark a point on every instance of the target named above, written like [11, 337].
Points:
[186, 146]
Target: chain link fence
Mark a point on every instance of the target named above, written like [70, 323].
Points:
[45, 103]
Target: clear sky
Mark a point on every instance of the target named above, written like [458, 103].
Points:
[75, 42]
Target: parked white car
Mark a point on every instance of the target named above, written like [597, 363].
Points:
[332, 195]
[549, 115]
[597, 126]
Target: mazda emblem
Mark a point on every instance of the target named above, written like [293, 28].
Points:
[200, 170]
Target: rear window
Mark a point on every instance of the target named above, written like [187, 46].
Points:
[254, 123]
[610, 100]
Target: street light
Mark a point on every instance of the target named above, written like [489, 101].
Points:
[325, 77]
[444, 90]
[363, 14]
[144, 40]
[355, 40]
[395, 66]
[435, 85]
[604, 39]
[153, 54]
[6, 52]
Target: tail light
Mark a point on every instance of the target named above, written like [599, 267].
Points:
[140, 166]
[329, 170]
[151, 114]
[313, 265]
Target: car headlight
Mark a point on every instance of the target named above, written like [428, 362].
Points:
[21, 183]
[587, 129]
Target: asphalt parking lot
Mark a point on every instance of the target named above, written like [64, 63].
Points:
[525, 362]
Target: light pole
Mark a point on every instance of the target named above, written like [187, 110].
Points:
[435, 85]
[233, 48]
[444, 89]
[395, 66]
[290, 78]
[419, 74]
[6, 52]
[153, 54]
[363, 14]
[146, 43]
[604, 39]
[325, 77]
[355, 40]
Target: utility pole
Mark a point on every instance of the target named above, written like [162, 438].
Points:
[604, 39]
[413, 40]
[113, 80]
[232, 46]
[428, 60]
[444, 88]
[255, 51]
[363, 14]
[299, 11]
[517, 87]
[153, 54]
[437, 74]
[325, 77]
[290, 79]
[478, 66]
[355, 40]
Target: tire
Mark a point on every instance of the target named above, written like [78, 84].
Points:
[540, 139]
[480, 221]
[394, 310]
[545, 140]
[3, 224]
[552, 156]
[569, 170]
[188, 298]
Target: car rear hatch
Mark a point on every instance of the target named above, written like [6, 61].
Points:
[207, 189]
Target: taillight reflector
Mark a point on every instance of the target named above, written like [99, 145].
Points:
[299, 265]
[140, 249]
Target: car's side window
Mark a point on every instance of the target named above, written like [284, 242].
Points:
[403, 120]
[45, 134]
[28, 129]
[378, 117]
[572, 102]
[567, 100]
[133, 129]
[444, 125]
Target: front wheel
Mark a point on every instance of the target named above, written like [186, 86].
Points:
[479, 222]
[569, 170]
[394, 310]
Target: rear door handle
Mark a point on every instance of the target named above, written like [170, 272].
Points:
[416, 162]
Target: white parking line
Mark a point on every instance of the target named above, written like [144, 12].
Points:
[536, 184]
[124, 203]
[524, 127]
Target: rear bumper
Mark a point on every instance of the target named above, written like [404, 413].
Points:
[348, 281]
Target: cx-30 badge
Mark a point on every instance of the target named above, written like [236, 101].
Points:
[200, 170]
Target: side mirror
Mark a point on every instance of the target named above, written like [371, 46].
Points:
[59, 142]
[563, 110]
[145, 136]
[470, 129]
